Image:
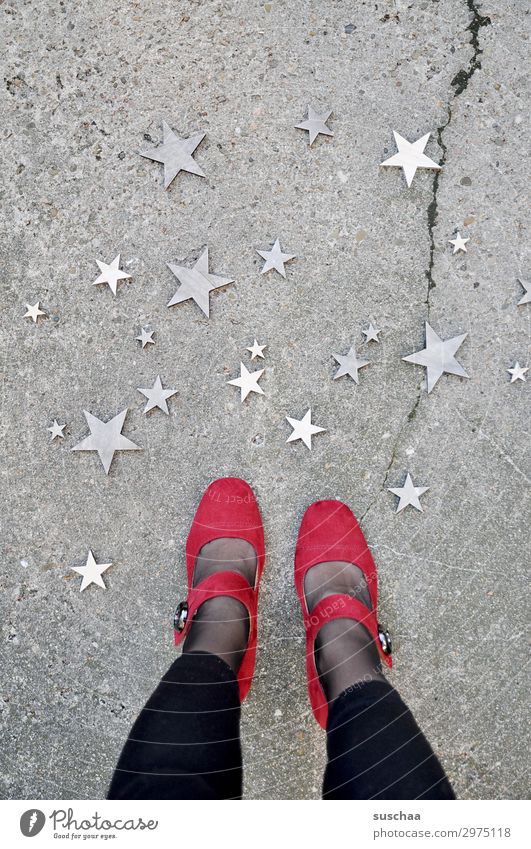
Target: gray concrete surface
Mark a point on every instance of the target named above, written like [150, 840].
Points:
[84, 90]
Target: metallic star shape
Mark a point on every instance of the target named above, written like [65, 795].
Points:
[106, 438]
[248, 381]
[275, 259]
[196, 283]
[256, 350]
[56, 430]
[409, 494]
[410, 156]
[371, 334]
[33, 312]
[175, 154]
[459, 243]
[349, 364]
[91, 573]
[146, 337]
[111, 274]
[438, 356]
[304, 429]
[526, 298]
[315, 124]
[157, 396]
[518, 372]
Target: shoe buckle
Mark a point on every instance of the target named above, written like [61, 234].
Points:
[385, 640]
[180, 616]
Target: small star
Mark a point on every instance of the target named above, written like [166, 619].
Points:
[459, 243]
[196, 283]
[33, 312]
[526, 298]
[410, 156]
[56, 430]
[275, 259]
[257, 350]
[438, 356]
[111, 274]
[91, 573]
[315, 124]
[349, 364]
[248, 381]
[304, 429]
[371, 334]
[157, 396]
[146, 337]
[518, 372]
[409, 494]
[175, 154]
[106, 438]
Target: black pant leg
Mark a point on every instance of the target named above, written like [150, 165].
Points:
[377, 751]
[185, 743]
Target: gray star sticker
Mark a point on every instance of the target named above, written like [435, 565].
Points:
[106, 438]
[196, 283]
[410, 156]
[315, 124]
[146, 337]
[349, 364]
[438, 356]
[409, 494]
[56, 430]
[157, 396]
[175, 154]
[275, 259]
[371, 334]
[526, 298]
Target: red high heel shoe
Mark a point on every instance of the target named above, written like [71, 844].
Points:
[228, 508]
[329, 531]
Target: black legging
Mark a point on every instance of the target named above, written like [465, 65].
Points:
[186, 742]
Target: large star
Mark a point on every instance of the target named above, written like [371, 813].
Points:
[275, 259]
[410, 156]
[157, 396]
[349, 364]
[248, 381]
[196, 283]
[304, 429]
[91, 573]
[526, 297]
[175, 154]
[409, 494]
[315, 124]
[106, 438]
[111, 274]
[438, 356]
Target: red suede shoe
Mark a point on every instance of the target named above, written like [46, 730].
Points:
[228, 508]
[330, 531]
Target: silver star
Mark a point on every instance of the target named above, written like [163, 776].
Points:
[304, 429]
[409, 494]
[91, 573]
[526, 298]
[459, 243]
[371, 334]
[146, 337]
[438, 356]
[518, 372]
[349, 364]
[106, 438]
[315, 124]
[196, 283]
[56, 430]
[257, 350]
[248, 381]
[275, 259]
[111, 274]
[175, 154]
[157, 396]
[33, 312]
[410, 156]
